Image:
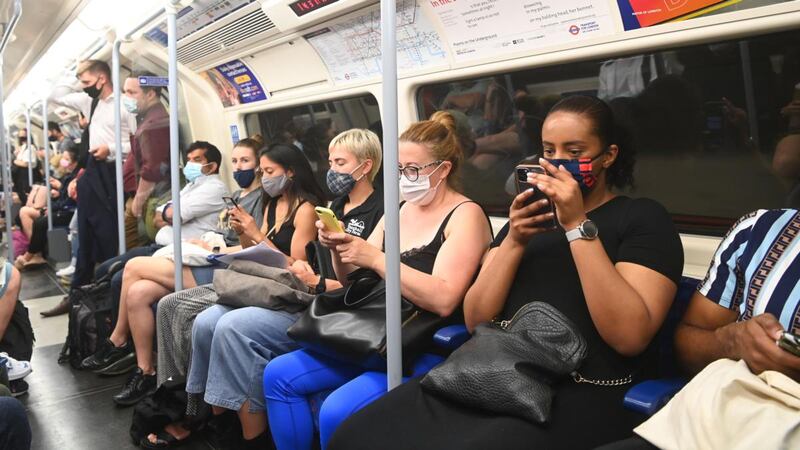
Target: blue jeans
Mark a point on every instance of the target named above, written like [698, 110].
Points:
[291, 380]
[230, 348]
[15, 431]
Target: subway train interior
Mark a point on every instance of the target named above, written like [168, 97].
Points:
[670, 138]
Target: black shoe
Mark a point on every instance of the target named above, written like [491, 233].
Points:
[261, 442]
[18, 387]
[137, 388]
[110, 360]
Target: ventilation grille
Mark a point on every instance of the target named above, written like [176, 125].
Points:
[243, 28]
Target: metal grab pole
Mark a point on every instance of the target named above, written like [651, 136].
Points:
[5, 146]
[45, 129]
[118, 147]
[115, 77]
[30, 150]
[394, 348]
[174, 153]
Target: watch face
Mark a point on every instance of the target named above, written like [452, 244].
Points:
[589, 229]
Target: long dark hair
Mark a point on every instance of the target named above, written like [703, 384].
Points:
[610, 132]
[303, 186]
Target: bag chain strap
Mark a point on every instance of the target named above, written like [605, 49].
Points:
[618, 382]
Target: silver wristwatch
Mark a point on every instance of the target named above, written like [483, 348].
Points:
[586, 230]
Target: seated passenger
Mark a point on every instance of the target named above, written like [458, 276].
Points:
[34, 221]
[230, 347]
[616, 289]
[740, 310]
[355, 157]
[146, 279]
[443, 237]
[16, 339]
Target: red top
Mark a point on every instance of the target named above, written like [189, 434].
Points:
[149, 149]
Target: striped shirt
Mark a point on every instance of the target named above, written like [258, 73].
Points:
[756, 270]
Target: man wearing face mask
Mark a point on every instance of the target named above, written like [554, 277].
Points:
[146, 171]
[96, 187]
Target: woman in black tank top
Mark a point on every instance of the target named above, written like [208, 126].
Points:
[443, 238]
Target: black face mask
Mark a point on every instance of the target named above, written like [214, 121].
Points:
[23, 140]
[92, 91]
[52, 138]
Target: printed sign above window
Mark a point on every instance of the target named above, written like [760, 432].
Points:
[235, 83]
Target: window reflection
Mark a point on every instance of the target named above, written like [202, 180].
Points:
[715, 126]
[312, 127]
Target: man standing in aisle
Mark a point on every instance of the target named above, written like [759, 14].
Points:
[146, 171]
[97, 205]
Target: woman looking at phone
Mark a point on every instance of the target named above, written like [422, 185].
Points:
[443, 237]
[612, 268]
[231, 347]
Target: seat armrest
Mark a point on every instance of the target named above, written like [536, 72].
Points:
[451, 337]
[649, 396]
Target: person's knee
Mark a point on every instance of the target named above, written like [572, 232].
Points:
[14, 421]
[203, 327]
[278, 378]
[139, 296]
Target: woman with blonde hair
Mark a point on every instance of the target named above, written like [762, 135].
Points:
[443, 237]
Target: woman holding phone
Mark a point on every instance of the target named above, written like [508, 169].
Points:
[443, 237]
[612, 268]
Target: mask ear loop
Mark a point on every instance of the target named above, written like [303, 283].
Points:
[362, 174]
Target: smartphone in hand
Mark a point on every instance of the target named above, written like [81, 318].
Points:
[329, 219]
[521, 177]
[790, 342]
[230, 202]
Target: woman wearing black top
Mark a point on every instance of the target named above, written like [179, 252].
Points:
[616, 286]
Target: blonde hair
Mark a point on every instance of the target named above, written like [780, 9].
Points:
[439, 135]
[363, 144]
[254, 143]
[94, 66]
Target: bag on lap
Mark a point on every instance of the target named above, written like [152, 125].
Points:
[349, 324]
[89, 319]
[246, 283]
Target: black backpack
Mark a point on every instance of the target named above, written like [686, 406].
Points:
[90, 319]
[18, 338]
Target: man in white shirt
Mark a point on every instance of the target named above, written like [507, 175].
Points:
[96, 188]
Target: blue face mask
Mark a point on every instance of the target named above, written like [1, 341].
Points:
[244, 178]
[130, 104]
[581, 170]
[193, 171]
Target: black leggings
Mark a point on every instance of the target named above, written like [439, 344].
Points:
[38, 241]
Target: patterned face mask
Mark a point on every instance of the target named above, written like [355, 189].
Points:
[342, 183]
[581, 170]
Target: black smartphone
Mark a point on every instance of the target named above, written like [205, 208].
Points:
[230, 202]
[522, 172]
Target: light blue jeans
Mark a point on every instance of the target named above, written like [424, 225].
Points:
[230, 348]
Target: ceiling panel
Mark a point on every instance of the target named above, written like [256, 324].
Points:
[42, 21]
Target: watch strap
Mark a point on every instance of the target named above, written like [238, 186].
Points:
[574, 234]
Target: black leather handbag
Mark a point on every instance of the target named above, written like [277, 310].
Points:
[349, 324]
[510, 367]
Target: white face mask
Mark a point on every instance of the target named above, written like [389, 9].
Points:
[419, 192]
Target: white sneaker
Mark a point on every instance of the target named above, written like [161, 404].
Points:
[17, 370]
[66, 272]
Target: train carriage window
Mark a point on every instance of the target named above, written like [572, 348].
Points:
[312, 126]
[716, 126]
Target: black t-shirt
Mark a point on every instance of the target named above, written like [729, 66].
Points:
[638, 231]
[362, 219]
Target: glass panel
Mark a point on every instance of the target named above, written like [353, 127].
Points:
[709, 124]
[311, 127]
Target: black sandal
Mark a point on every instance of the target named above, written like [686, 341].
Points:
[163, 440]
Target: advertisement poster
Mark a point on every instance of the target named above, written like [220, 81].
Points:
[196, 16]
[488, 28]
[235, 83]
[644, 13]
